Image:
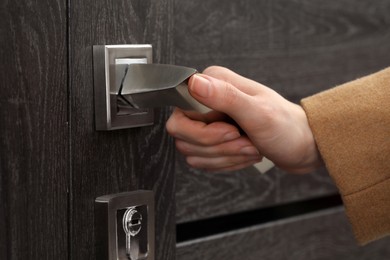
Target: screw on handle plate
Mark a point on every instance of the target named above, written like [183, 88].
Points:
[132, 223]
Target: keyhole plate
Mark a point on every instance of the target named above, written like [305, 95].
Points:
[110, 235]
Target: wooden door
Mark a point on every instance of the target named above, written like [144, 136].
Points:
[121, 160]
[53, 162]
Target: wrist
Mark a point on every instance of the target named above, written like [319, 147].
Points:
[311, 157]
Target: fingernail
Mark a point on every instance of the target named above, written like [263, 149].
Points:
[249, 150]
[200, 86]
[231, 136]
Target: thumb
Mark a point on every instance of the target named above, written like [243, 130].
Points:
[219, 95]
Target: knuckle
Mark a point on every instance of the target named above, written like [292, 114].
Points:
[268, 112]
[193, 162]
[171, 126]
[181, 147]
[205, 140]
[216, 71]
[230, 94]
[185, 148]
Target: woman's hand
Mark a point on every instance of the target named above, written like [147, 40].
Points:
[274, 127]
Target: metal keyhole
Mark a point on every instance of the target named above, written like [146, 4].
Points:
[132, 223]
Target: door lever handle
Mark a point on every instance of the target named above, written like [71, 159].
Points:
[158, 85]
[126, 91]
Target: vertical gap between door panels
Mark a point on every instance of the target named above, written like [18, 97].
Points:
[69, 116]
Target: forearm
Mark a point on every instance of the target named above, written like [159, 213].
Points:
[351, 126]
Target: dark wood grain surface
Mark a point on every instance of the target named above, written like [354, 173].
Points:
[321, 235]
[122, 160]
[202, 195]
[33, 131]
[297, 48]
[53, 164]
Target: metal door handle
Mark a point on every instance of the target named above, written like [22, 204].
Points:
[127, 86]
[157, 85]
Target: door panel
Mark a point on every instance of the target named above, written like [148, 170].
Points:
[122, 160]
[297, 48]
[201, 195]
[33, 131]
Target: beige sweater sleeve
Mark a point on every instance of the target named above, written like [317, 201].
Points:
[351, 125]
